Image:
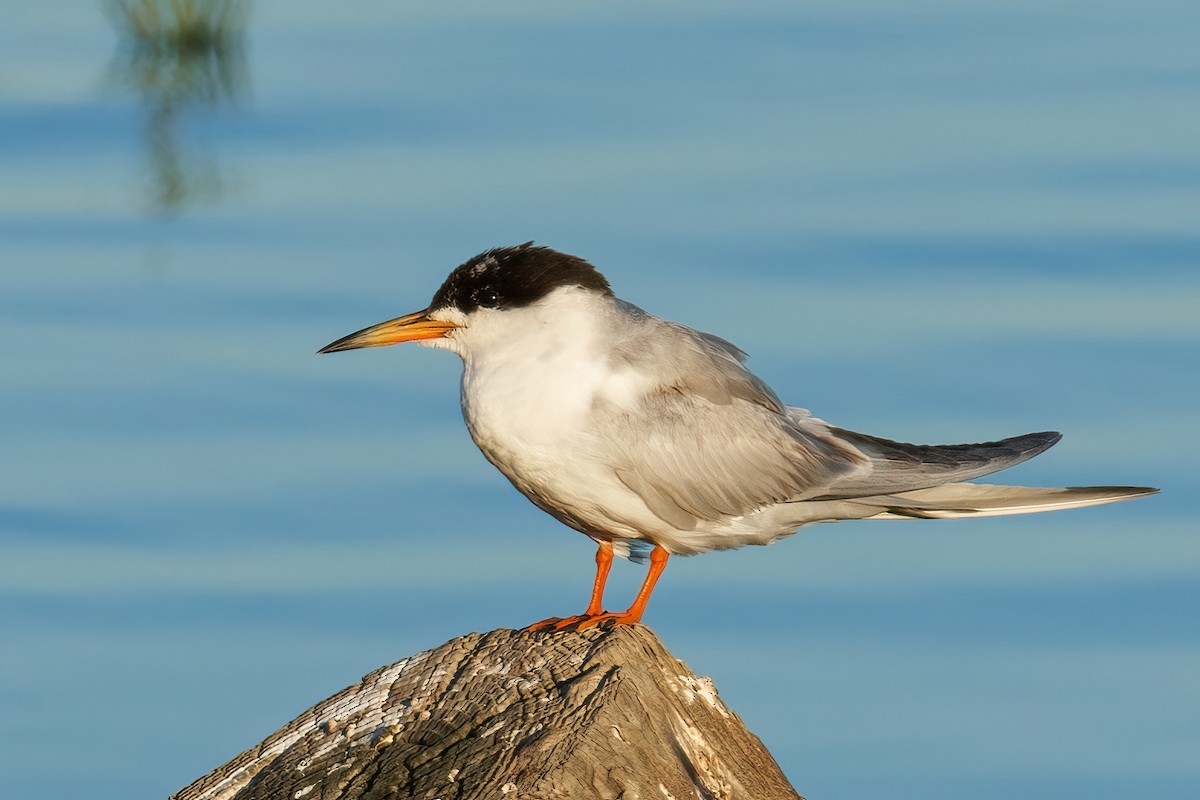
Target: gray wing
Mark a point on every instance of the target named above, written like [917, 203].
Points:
[690, 459]
[710, 440]
[902, 467]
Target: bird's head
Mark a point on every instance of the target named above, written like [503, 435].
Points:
[496, 283]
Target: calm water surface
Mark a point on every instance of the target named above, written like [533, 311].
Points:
[939, 223]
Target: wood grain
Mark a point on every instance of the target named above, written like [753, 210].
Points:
[513, 714]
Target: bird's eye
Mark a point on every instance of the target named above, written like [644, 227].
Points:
[488, 298]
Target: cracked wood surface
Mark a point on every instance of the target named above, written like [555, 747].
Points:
[513, 714]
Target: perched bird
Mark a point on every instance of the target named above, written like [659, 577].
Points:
[649, 436]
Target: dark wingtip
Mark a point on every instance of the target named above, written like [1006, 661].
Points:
[1050, 438]
[1032, 444]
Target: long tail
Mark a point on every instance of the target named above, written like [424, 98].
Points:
[984, 500]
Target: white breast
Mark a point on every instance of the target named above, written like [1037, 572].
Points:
[531, 379]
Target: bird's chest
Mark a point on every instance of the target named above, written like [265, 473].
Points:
[531, 411]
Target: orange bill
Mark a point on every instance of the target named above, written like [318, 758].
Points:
[409, 328]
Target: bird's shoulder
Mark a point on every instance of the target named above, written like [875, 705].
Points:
[678, 361]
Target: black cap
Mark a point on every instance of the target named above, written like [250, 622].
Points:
[511, 277]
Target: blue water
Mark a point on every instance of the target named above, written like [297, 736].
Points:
[935, 223]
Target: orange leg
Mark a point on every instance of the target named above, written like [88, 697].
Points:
[658, 562]
[604, 559]
[604, 556]
[595, 615]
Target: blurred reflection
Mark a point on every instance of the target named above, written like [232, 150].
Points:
[179, 56]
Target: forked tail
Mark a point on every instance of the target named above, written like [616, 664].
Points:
[984, 500]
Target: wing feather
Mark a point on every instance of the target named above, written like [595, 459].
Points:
[903, 467]
[984, 500]
[709, 440]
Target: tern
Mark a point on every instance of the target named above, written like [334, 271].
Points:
[653, 439]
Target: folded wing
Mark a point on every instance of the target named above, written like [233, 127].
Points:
[711, 441]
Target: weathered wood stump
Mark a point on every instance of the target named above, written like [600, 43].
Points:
[513, 714]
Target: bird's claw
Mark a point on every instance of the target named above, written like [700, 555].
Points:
[605, 620]
[560, 623]
[546, 624]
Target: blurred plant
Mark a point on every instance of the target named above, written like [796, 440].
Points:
[179, 55]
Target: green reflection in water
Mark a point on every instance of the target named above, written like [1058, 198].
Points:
[180, 57]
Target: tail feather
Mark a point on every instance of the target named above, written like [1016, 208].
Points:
[984, 500]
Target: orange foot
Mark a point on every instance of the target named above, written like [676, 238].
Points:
[608, 619]
[555, 623]
[578, 622]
